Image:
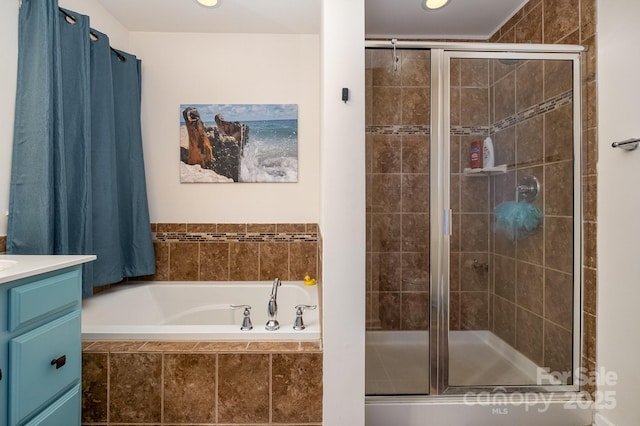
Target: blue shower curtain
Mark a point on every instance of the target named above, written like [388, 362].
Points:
[77, 172]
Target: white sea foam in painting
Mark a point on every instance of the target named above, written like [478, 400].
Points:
[257, 165]
[271, 155]
[196, 173]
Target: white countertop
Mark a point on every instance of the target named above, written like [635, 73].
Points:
[29, 265]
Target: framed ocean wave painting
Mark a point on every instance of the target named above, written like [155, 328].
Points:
[238, 143]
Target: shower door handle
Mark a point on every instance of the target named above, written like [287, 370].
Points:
[447, 222]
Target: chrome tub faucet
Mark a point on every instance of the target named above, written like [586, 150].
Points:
[272, 307]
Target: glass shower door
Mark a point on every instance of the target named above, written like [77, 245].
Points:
[397, 154]
[514, 199]
[473, 264]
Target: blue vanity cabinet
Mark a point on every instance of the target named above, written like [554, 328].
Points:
[40, 349]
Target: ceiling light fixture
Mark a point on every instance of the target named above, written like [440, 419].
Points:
[209, 3]
[435, 4]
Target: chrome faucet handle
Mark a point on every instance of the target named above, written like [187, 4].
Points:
[246, 321]
[299, 324]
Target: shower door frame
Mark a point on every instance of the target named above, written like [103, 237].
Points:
[440, 211]
[441, 214]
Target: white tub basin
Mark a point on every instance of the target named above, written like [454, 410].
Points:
[196, 310]
[6, 264]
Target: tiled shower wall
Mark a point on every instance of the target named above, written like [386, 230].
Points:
[397, 155]
[469, 196]
[392, 300]
[572, 22]
[532, 292]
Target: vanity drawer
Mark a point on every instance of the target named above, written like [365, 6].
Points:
[64, 411]
[35, 380]
[33, 301]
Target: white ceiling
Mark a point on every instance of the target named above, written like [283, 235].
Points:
[402, 19]
[459, 19]
[231, 16]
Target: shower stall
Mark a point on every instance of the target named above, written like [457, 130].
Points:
[473, 270]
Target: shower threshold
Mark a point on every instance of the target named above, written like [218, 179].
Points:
[547, 409]
[397, 368]
[397, 362]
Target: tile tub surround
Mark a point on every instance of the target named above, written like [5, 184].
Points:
[213, 383]
[204, 383]
[235, 252]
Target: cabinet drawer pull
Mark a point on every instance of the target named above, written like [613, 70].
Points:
[60, 362]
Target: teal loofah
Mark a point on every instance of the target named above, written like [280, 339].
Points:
[517, 219]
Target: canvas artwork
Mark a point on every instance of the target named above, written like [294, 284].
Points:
[238, 143]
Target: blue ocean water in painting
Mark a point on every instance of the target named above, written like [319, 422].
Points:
[271, 155]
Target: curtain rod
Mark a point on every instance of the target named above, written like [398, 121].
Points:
[72, 20]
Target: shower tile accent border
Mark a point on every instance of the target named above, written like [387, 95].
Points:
[399, 130]
[469, 130]
[201, 382]
[426, 130]
[542, 108]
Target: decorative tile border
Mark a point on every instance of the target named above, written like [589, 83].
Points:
[469, 130]
[225, 237]
[399, 130]
[552, 104]
[234, 232]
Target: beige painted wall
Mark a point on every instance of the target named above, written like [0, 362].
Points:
[8, 70]
[180, 68]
